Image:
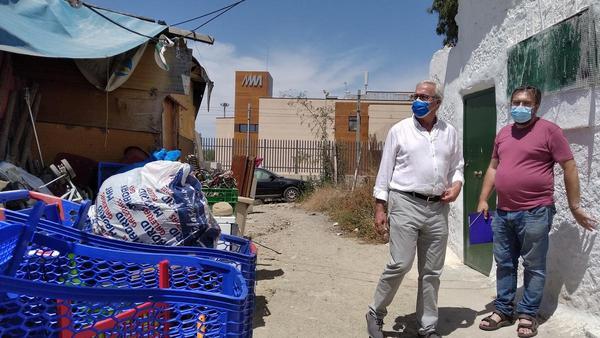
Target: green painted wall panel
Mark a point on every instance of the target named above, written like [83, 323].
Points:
[563, 56]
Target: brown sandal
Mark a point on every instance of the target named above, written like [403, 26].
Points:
[532, 326]
[494, 325]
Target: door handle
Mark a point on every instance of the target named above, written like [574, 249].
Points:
[478, 174]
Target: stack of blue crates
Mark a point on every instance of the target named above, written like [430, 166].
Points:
[56, 229]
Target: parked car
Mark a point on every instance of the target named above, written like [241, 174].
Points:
[272, 186]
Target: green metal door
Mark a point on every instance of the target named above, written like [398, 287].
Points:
[478, 142]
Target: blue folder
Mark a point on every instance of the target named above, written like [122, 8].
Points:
[480, 228]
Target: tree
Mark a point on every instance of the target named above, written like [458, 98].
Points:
[320, 120]
[447, 10]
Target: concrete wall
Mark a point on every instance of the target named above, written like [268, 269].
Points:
[283, 119]
[487, 29]
[383, 117]
[224, 126]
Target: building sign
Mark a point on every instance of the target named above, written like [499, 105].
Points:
[252, 81]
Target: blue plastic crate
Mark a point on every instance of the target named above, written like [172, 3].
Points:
[66, 289]
[239, 252]
[107, 169]
[67, 213]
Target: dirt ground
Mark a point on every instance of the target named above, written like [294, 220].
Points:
[319, 283]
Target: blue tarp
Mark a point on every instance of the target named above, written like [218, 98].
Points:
[52, 28]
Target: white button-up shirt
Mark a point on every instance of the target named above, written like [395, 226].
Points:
[416, 160]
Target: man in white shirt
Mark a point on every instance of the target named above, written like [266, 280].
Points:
[421, 171]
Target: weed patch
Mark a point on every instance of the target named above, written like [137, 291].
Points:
[352, 210]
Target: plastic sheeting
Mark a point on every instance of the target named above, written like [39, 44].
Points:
[52, 28]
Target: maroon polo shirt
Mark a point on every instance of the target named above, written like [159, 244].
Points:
[526, 156]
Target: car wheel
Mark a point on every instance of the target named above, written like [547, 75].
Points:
[291, 194]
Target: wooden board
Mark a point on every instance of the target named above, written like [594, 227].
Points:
[90, 142]
[238, 166]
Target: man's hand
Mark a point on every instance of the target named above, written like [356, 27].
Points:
[573, 196]
[483, 207]
[451, 193]
[380, 224]
[587, 222]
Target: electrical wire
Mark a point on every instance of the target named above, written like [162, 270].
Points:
[207, 14]
[154, 39]
[93, 9]
[225, 11]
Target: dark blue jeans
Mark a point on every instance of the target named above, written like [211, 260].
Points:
[521, 233]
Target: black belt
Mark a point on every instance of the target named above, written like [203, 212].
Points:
[421, 196]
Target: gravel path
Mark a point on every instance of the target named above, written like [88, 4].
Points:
[322, 281]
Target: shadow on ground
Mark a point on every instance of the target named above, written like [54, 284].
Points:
[268, 274]
[451, 319]
[261, 309]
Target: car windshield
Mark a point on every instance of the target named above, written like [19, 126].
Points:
[263, 174]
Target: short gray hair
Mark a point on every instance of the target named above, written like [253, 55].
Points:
[439, 92]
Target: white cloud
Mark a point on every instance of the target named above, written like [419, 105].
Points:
[298, 69]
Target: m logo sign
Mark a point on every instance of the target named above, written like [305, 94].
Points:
[252, 81]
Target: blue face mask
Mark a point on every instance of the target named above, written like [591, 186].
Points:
[521, 114]
[420, 108]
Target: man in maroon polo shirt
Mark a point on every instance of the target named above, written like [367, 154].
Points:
[522, 171]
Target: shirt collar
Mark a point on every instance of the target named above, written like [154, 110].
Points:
[418, 125]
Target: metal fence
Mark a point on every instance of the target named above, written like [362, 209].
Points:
[305, 157]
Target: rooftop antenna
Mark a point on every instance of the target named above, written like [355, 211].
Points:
[366, 81]
[346, 91]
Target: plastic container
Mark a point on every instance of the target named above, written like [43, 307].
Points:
[214, 195]
[53, 287]
[107, 169]
[235, 251]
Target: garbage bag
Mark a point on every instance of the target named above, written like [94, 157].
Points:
[159, 203]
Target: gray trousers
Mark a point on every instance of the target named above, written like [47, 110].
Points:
[421, 225]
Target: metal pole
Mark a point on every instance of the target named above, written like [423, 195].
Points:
[357, 140]
[37, 140]
[224, 105]
[248, 131]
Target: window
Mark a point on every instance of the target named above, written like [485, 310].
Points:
[243, 128]
[262, 175]
[352, 124]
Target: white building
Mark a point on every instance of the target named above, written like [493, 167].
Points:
[551, 43]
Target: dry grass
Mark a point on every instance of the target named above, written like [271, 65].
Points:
[352, 210]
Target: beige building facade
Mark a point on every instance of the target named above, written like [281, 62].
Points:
[225, 127]
[287, 118]
[383, 117]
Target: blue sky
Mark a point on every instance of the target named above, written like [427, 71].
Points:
[307, 45]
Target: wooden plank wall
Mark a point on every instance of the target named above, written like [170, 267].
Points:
[133, 109]
[70, 99]
[90, 141]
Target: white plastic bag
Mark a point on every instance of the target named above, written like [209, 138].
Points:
[159, 203]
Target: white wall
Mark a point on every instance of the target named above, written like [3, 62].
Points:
[224, 127]
[487, 28]
[383, 116]
[280, 120]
